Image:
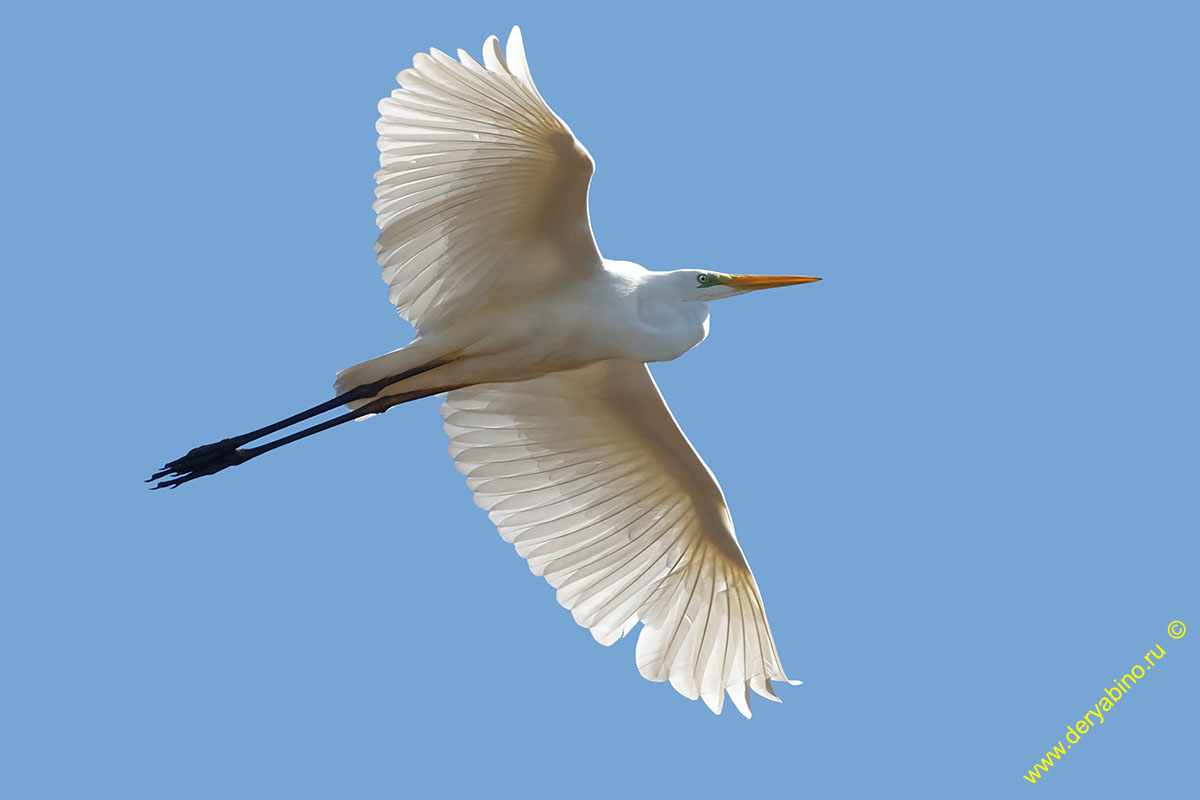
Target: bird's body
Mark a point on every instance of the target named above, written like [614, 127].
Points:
[619, 311]
[540, 345]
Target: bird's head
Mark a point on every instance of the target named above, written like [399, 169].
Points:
[694, 284]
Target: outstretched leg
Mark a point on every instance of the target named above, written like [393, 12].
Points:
[212, 458]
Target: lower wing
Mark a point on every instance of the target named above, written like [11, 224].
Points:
[589, 476]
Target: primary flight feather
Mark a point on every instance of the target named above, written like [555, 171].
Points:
[540, 345]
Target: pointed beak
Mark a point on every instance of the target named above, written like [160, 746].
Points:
[752, 282]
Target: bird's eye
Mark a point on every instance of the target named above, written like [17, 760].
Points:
[703, 279]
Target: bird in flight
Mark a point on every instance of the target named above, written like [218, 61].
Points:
[540, 346]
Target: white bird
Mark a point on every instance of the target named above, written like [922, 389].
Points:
[540, 345]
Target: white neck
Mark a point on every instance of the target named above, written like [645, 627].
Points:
[669, 316]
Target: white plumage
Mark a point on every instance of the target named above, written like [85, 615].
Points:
[541, 346]
[588, 475]
[482, 189]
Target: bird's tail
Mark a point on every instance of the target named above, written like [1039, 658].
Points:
[377, 369]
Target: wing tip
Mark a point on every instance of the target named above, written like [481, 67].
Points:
[493, 55]
[715, 700]
[740, 695]
[518, 64]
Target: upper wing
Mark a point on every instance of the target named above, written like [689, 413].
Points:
[588, 474]
[482, 191]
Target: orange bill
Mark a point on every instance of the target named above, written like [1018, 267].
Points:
[768, 281]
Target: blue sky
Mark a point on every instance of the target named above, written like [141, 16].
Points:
[963, 467]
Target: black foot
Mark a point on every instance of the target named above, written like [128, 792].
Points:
[207, 459]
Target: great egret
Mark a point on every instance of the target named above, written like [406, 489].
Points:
[540, 345]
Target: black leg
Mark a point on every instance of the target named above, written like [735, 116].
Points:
[211, 458]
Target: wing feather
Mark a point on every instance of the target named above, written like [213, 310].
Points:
[618, 513]
[481, 195]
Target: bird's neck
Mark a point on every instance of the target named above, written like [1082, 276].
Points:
[673, 324]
